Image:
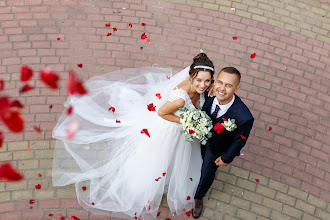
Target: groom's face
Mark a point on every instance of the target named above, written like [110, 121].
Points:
[225, 85]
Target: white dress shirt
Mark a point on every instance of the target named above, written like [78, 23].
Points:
[223, 108]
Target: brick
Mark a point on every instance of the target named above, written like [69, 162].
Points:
[241, 203]
[11, 216]
[7, 207]
[285, 198]
[305, 207]
[297, 193]
[260, 210]
[319, 203]
[322, 214]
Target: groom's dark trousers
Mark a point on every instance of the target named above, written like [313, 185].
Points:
[228, 144]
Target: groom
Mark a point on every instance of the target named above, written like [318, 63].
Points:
[221, 149]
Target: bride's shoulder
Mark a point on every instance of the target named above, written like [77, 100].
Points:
[184, 85]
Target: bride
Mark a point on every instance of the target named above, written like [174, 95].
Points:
[129, 149]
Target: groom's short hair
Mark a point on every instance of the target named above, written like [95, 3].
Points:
[232, 70]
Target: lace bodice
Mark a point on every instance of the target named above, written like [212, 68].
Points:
[181, 94]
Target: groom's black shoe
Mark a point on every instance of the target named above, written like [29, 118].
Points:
[197, 210]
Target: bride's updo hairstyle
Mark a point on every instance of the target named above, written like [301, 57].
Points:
[199, 61]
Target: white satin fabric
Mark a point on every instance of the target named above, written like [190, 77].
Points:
[118, 164]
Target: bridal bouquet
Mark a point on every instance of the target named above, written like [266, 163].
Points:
[196, 124]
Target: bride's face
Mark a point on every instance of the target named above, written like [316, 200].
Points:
[202, 81]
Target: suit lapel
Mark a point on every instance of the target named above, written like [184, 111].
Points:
[232, 111]
[208, 104]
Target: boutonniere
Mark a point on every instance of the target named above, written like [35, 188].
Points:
[229, 125]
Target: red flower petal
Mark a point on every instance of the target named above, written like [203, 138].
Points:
[143, 24]
[72, 129]
[148, 41]
[13, 121]
[84, 188]
[109, 34]
[158, 95]
[36, 128]
[257, 180]
[112, 109]
[158, 213]
[117, 121]
[253, 55]
[26, 88]
[17, 104]
[141, 48]
[80, 65]
[4, 105]
[135, 217]
[168, 77]
[191, 179]
[114, 29]
[107, 25]
[219, 128]
[38, 186]
[130, 25]
[188, 198]
[51, 106]
[1, 139]
[143, 36]
[224, 119]
[7, 172]
[164, 174]
[69, 111]
[149, 207]
[188, 213]
[270, 128]
[151, 107]
[49, 78]
[167, 219]
[50, 215]
[61, 217]
[234, 38]
[29, 148]
[31, 201]
[26, 73]
[39, 175]
[145, 131]
[74, 217]
[58, 38]
[191, 131]
[75, 86]
[2, 84]
[93, 203]
[243, 137]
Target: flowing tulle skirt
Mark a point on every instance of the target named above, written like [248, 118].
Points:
[118, 170]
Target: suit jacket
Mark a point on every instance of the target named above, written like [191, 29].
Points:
[228, 144]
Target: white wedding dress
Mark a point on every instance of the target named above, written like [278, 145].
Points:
[118, 170]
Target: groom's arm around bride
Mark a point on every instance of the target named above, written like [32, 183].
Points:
[222, 148]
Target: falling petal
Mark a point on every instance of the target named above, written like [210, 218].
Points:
[224, 119]
[191, 179]
[38, 186]
[69, 111]
[75, 86]
[36, 128]
[29, 148]
[72, 129]
[51, 106]
[17, 104]
[58, 38]
[13, 121]
[130, 25]
[143, 24]
[50, 215]
[145, 131]
[84, 188]
[191, 131]
[39, 175]
[112, 109]
[257, 180]
[61, 217]
[2, 84]
[141, 48]
[7, 172]
[148, 41]
[188, 213]
[93, 203]
[234, 38]
[49, 78]
[107, 25]
[114, 29]
[31, 201]
[80, 65]
[109, 34]
[233, 9]
[26, 73]
[158, 213]
[243, 137]
[164, 174]
[253, 55]
[26, 88]
[188, 198]
[158, 95]
[151, 107]
[270, 128]
[74, 217]
[1, 139]
[143, 36]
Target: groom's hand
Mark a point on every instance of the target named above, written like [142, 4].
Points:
[211, 90]
[220, 163]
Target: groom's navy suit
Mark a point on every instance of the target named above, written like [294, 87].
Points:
[227, 144]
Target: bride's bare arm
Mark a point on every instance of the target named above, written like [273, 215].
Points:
[167, 110]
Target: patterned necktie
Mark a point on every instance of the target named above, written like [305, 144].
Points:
[215, 113]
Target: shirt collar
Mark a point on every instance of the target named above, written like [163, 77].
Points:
[226, 106]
